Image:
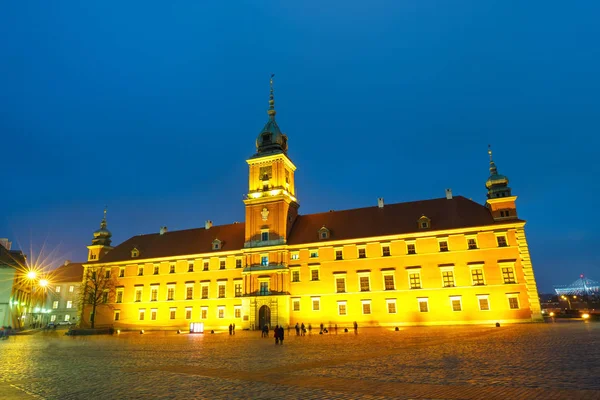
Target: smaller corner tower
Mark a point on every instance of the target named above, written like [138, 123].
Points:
[101, 242]
[500, 201]
[271, 205]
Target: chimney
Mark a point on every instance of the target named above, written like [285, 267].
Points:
[208, 224]
[449, 194]
[5, 243]
[163, 230]
[67, 262]
[380, 202]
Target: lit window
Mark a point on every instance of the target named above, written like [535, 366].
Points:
[264, 288]
[423, 305]
[410, 248]
[415, 280]
[221, 291]
[364, 284]
[456, 303]
[189, 292]
[484, 303]
[391, 306]
[57, 290]
[342, 308]
[55, 304]
[295, 256]
[188, 313]
[314, 274]
[472, 242]
[71, 289]
[296, 276]
[138, 294]
[340, 284]
[448, 278]
[362, 253]
[366, 307]
[53, 318]
[443, 245]
[153, 313]
[116, 315]
[296, 304]
[119, 296]
[238, 263]
[221, 312]
[501, 241]
[142, 314]
[222, 264]
[388, 281]
[238, 289]
[67, 318]
[170, 292]
[316, 303]
[513, 302]
[508, 274]
[69, 304]
[237, 312]
[204, 313]
[205, 291]
[154, 293]
[205, 266]
[338, 255]
[172, 313]
[264, 261]
[385, 250]
[477, 276]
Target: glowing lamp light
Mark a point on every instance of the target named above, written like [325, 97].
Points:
[197, 327]
[275, 192]
[255, 195]
[31, 274]
[118, 331]
[585, 316]
[37, 309]
[552, 314]
[43, 282]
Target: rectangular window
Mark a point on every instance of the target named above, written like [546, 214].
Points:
[484, 303]
[410, 248]
[191, 267]
[443, 245]
[388, 281]
[238, 289]
[188, 313]
[67, 318]
[170, 292]
[153, 313]
[53, 318]
[456, 303]
[423, 305]
[472, 243]
[119, 296]
[140, 271]
[71, 289]
[513, 302]
[264, 288]
[362, 253]
[391, 306]
[121, 272]
[415, 280]
[314, 253]
[296, 276]
[364, 284]
[55, 304]
[237, 312]
[205, 266]
[295, 256]
[448, 278]
[385, 250]
[204, 313]
[156, 270]
[221, 291]
[338, 255]
[172, 268]
[69, 304]
[342, 308]
[154, 293]
[105, 296]
[501, 241]
[508, 274]
[222, 264]
[205, 291]
[264, 236]
[296, 304]
[238, 263]
[477, 276]
[316, 303]
[264, 261]
[340, 284]
[117, 315]
[366, 307]
[314, 274]
[107, 274]
[57, 290]
[221, 312]
[138, 294]
[189, 292]
[142, 314]
[172, 313]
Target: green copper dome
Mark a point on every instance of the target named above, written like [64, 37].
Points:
[271, 139]
[102, 236]
[496, 184]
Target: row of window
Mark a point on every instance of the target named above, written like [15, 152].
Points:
[156, 269]
[422, 304]
[414, 278]
[188, 313]
[55, 304]
[189, 291]
[58, 288]
[54, 318]
[410, 248]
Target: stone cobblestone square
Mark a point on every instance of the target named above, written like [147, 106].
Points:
[528, 361]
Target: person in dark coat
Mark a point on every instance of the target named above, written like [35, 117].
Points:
[281, 334]
[276, 334]
[355, 327]
[297, 329]
[230, 329]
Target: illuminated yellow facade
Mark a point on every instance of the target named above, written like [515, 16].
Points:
[441, 261]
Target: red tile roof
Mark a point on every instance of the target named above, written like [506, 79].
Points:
[72, 272]
[392, 219]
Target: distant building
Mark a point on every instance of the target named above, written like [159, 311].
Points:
[581, 287]
[447, 260]
[64, 293]
[14, 291]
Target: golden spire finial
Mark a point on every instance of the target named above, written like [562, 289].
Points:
[271, 111]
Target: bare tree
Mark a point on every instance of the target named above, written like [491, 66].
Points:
[97, 288]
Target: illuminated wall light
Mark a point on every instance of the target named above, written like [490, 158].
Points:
[275, 192]
[197, 327]
[585, 316]
[552, 314]
[118, 331]
[255, 195]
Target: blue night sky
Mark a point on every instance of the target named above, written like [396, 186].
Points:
[153, 107]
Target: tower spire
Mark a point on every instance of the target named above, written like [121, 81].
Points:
[493, 169]
[103, 223]
[496, 184]
[271, 110]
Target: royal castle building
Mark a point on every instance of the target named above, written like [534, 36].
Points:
[447, 260]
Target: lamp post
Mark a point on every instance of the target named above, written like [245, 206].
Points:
[567, 299]
[31, 275]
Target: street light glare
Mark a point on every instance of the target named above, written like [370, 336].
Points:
[31, 274]
[43, 282]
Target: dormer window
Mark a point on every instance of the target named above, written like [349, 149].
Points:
[264, 235]
[324, 233]
[135, 253]
[266, 138]
[424, 222]
[504, 213]
[216, 244]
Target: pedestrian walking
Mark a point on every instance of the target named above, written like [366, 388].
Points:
[230, 329]
[355, 327]
[281, 334]
[321, 328]
[276, 330]
[297, 329]
[309, 329]
[234, 329]
[303, 329]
